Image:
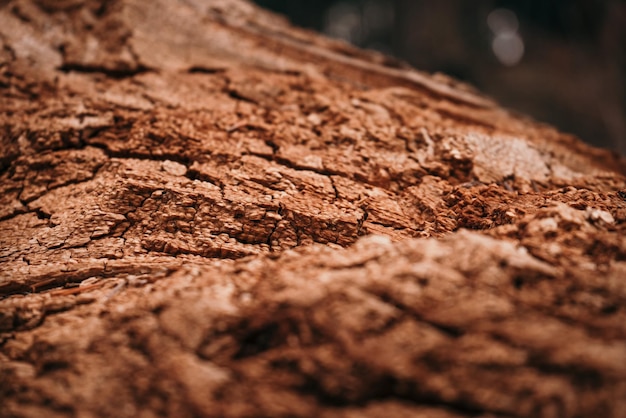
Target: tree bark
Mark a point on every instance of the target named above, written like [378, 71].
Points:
[207, 212]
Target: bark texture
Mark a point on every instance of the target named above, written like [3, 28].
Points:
[183, 190]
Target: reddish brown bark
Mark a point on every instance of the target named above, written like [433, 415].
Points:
[178, 180]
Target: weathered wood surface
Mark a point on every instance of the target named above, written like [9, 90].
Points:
[177, 179]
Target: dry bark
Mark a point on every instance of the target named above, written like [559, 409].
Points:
[178, 179]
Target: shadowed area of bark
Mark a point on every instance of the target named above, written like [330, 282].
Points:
[207, 212]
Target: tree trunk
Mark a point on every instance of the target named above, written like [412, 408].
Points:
[183, 188]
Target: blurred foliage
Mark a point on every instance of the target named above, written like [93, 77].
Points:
[561, 61]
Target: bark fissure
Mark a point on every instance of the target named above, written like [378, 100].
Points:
[108, 72]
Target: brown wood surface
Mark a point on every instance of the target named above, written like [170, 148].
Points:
[207, 212]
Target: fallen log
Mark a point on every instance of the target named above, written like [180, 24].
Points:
[207, 212]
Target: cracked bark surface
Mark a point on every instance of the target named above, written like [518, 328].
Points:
[207, 212]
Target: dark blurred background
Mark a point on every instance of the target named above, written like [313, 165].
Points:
[560, 61]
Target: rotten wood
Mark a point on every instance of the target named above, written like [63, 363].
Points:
[207, 212]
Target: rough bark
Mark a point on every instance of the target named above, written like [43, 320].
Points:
[178, 179]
